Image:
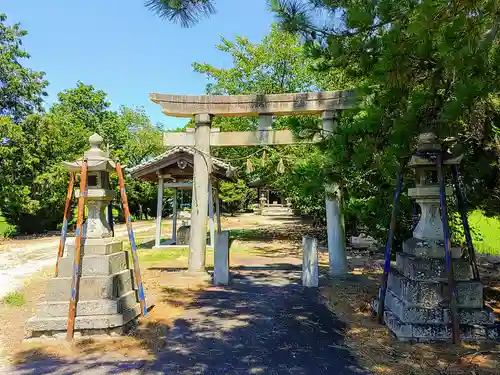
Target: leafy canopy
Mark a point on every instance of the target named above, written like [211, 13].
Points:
[21, 89]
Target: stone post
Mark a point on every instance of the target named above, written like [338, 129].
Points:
[211, 215]
[221, 258]
[199, 206]
[310, 261]
[174, 217]
[262, 204]
[159, 210]
[334, 217]
[217, 207]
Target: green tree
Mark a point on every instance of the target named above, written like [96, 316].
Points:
[274, 65]
[33, 182]
[21, 89]
[418, 66]
[236, 197]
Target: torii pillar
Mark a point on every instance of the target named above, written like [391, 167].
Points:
[199, 205]
[334, 218]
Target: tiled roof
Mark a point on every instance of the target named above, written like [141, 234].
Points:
[172, 151]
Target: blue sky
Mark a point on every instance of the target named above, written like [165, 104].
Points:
[124, 49]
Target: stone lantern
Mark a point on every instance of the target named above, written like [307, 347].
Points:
[417, 303]
[99, 195]
[108, 299]
[262, 204]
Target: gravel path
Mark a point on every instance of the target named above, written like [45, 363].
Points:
[18, 263]
[264, 323]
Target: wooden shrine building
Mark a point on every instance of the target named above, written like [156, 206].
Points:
[174, 169]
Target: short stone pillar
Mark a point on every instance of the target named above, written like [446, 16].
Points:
[183, 234]
[310, 276]
[416, 303]
[221, 258]
[262, 204]
[107, 298]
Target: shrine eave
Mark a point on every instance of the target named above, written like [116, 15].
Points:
[177, 164]
[306, 103]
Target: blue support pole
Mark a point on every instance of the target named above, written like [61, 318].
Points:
[131, 238]
[465, 222]
[387, 262]
[455, 329]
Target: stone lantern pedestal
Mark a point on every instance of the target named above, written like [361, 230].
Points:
[417, 303]
[107, 298]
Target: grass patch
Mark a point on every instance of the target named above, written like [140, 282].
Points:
[16, 299]
[246, 234]
[488, 229]
[6, 230]
[174, 256]
[151, 256]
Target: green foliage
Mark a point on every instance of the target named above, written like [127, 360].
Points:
[417, 66]
[6, 230]
[486, 231]
[33, 182]
[276, 64]
[187, 12]
[15, 299]
[236, 196]
[21, 89]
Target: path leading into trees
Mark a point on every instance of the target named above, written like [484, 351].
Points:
[20, 259]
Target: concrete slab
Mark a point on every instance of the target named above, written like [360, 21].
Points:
[438, 332]
[429, 294]
[92, 287]
[96, 265]
[419, 315]
[93, 307]
[95, 246]
[422, 269]
[429, 249]
[94, 322]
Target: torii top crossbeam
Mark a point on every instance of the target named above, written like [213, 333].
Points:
[254, 105]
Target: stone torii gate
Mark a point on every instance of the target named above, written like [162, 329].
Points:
[204, 107]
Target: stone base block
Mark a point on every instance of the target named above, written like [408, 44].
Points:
[437, 332]
[87, 308]
[96, 265]
[429, 294]
[52, 325]
[429, 249]
[95, 246]
[92, 287]
[423, 269]
[418, 315]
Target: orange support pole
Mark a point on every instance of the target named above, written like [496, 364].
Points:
[133, 247]
[75, 282]
[64, 230]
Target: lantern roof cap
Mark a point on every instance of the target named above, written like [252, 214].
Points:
[97, 159]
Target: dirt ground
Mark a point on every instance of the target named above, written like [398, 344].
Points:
[258, 241]
[377, 349]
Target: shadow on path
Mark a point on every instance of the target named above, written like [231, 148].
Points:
[263, 323]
